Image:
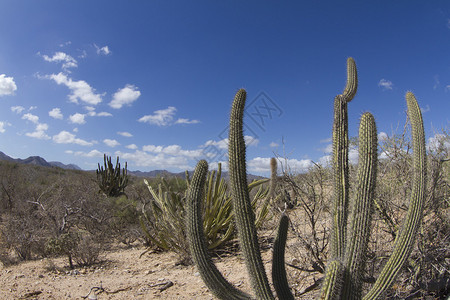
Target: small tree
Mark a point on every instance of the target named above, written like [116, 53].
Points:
[111, 180]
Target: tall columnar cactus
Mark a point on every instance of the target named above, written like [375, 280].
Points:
[343, 276]
[111, 180]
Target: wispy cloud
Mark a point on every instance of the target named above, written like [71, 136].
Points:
[17, 109]
[273, 145]
[56, 113]
[425, 109]
[165, 117]
[125, 96]
[124, 133]
[161, 117]
[132, 146]
[65, 137]
[3, 125]
[81, 90]
[61, 57]
[7, 85]
[186, 121]
[385, 84]
[102, 50]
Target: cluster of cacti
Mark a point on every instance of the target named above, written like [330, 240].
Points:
[111, 180]
[343, 276]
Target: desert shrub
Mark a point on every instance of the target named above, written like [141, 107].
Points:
[163, 220]
[88, 249]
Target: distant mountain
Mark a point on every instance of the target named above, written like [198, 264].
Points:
[38, 161]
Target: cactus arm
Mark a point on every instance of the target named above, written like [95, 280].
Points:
[405, 240]
[361, 215]
[332, 283]
[216, 283]
[244, 215]
[352, 80]
[279, 277]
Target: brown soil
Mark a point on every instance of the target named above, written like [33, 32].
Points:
[122, 275]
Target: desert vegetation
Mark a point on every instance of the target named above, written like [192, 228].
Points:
[340, 231]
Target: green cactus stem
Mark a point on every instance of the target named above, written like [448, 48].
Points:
[332, 283]
[405, 240]
[340, 162]
[244, 215]
[361, 214]
[279, 277]
[216, 283]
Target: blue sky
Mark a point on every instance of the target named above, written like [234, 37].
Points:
[153, 81]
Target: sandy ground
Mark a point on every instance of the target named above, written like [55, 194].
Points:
[122, 275]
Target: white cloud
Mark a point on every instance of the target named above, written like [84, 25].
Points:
[437, 142]
[80, 89]
[124, 133]
[262, 165]
[385, 84]
[186, 121]
[103, 50]
[56, 113]
[273, 145]
[161, 117]
[132, 146]
[17, 109]
[328, 148]
[382, 136]
[165, 117]
[223, 144]
[39, 132]
[100, 114]
[92, 153]
[30, 117]
[103, 114]
[173, 150]
[327, 140]
[7, 85]
[111, 143]
[65, 137]
[125, 96]
[3, 125]
[64, 58]
[158, 161]
[77, 118]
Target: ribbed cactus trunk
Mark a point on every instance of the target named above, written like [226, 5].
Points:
[244, 215]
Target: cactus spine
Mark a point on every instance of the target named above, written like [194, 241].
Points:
[348, 245]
